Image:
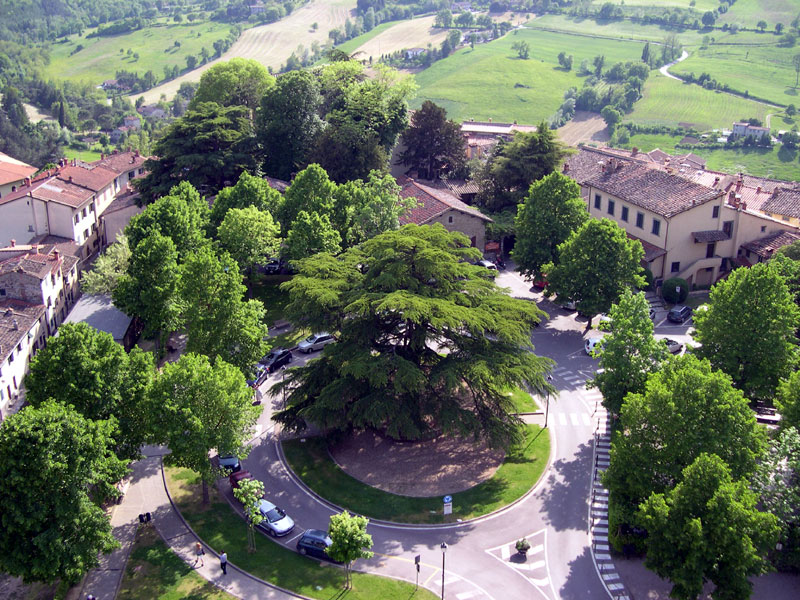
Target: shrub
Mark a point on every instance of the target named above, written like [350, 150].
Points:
[675, 290]
[649, 278]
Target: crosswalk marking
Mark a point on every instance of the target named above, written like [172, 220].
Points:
[465, 595]
[574, 418]
[562, 418]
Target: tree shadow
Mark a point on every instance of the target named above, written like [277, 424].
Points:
[790, 91]
[787, 154]
[575, 587]
[565, 498]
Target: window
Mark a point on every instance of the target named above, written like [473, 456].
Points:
[656, 227]
[141, 170]
[49, 302]
[784, 217]
[85, 234]
[763, 228]
[30, 228]
[91, 207]
[624, 215]
[83, 212]
[131, 174]
[77, 219]
[19, 347]
[450, 219]
[11, 357]
[597, 201]
[710, 248]
[675, 268]
[611, 207]
[640, 220]
[2, 291]
[715, 212]
[727, 227]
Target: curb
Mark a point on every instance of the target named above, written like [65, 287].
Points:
[429, 526]
[230, 564]
[598, 514]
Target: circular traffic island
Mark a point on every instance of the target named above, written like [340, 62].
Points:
[404, 482]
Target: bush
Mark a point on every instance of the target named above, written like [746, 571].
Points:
[649, 278]
[670, 290]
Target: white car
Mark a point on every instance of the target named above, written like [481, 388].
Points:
[316, 341]
[593, 346]
[276, 522]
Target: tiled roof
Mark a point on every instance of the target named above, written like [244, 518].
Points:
[460, 186]
[123, 200]
[92, 177]
[651, 251]
[783, 201]
[767, 245]
[711, 235]
[33, 264]
[431, 203]
[16, 320]
[61, 192]
[121, 162]
[12, 170]
[648, 188]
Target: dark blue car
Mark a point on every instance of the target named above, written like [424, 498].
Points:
[313, 543]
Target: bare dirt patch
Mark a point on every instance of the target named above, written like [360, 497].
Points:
[586, 127]
[443, 465]
[272, 44]
[416, 33]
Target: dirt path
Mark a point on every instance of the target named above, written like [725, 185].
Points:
[587, 127]
[415, 33]
[271, 44]
[665, 69]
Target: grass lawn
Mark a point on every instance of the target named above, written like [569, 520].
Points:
[669, 102]
[521, 470]
[101, 58]
[523, 90]
[750, 12]
[221, 528]
[84, 155]
[624, 29]
[523, 401]
[154, 572]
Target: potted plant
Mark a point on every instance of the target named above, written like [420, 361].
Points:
[523, 546]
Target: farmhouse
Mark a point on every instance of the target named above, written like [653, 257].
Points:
[436, 205]
[741, 130]
[689, 230]
[482, 136]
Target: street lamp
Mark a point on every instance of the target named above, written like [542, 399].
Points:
[547, 406]
[444, 551]
[283, 378]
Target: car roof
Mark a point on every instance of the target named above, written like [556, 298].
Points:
[315, 533]
[266, 505]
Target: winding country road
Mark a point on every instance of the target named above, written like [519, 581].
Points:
[665, 69]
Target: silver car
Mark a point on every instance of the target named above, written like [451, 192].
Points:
[276, 522]
[316, 341]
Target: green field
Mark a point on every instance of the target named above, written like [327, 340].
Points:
[101, 58]
[616, 29]
[750, 12]
[701, 5]
[492, 82]
[670, 102]
[351, 45]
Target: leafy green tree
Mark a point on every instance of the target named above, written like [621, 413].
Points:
[106, 271]
[182, 217]
[758, 355]
[289, 123]
[209, 145]
[444, 18]
[434, 146]
[219, 322]
[348, 150]
[149, 290]
[595, 265]
[762, 25]
[236, 82]
[552, 210]
[707, 528]
[523, 49]
[598, 63]
[312, 233]
[250, 492]
[630, 352]
[686, 409]
[611, 116]
[786, 262]
[392, 299]
[515, 165]
[709, 18]
[202, 406]
[88, 370]
[248, 191]
[788, 401]
[250, 236]
[311, 191]
[350, 541]
[646, 53]
[51, 459]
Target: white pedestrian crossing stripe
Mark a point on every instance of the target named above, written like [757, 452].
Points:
[532, 565]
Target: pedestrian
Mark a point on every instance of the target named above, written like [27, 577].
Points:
[199, 552]
[223, 562]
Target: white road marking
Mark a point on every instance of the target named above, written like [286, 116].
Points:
[586, 420]
[562, 418]
[574, 418]
[505, 552]
[465, 595]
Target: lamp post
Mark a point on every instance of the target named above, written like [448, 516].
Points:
[283, 378]
[547, 406]
[444, 551]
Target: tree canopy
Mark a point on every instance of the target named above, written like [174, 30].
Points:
[434, 146]
[426, 341]
[51, 460]
[248, 191]
[707, 529]
[552, 210]
[236, 82]
[88, 370]
[349, 540]
[757, 355]
[250, 236]
[595, 265]
[202, 406]
[630, 352]
[107, 269]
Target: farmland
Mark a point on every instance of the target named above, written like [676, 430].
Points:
[523, 90]
[670, 102]
[414, 33]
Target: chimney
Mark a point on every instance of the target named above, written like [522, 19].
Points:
[758, 190]
[634, 151]
[70, 178]
[603, 167]
[744, 205]
[13, 243]
[15, 324]
[55, 253]
[36, 247]
[136, 152]
[102, 155]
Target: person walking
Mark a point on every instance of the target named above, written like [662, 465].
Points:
[223, 562]
[199, 552]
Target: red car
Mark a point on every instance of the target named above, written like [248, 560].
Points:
[540, 282]
[235, 478]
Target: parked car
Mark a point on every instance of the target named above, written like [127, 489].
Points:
[237, 477]
[652, 314]
[486, 264]
[273, 267]
[593, 346]
[679, 314]
[316, 341]
[540, 282]
[259, 372]
[313, 542]
[673, 346]
[276, 522]
[277, 358]
[230, 462]
[570, 305]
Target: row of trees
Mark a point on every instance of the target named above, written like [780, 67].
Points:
[91, 407]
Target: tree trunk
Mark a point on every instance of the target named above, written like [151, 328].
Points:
[206, 499]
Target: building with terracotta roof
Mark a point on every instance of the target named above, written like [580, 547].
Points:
[783, 203]
[68, 201]
[22, 334]
[436, 205]
[688, 229]
[13, 173]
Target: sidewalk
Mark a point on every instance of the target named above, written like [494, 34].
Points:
[148, 494]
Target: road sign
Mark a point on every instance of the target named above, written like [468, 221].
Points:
[447, 499]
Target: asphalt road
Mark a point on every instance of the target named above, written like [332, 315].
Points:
[480, 561]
